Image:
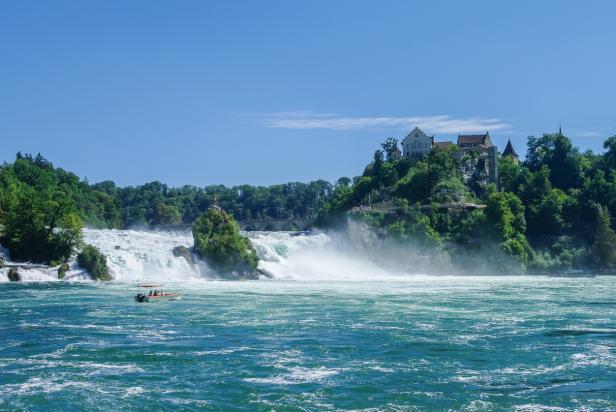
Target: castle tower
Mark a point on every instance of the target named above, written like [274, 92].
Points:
[510, 152]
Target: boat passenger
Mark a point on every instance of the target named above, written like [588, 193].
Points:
[150, 292]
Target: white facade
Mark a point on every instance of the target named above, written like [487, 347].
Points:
[417, 144]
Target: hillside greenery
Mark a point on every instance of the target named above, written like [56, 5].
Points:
[39, 217]
[552, 211]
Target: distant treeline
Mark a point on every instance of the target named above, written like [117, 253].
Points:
[105, 205]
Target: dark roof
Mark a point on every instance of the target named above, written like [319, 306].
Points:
[509, 150]
[472, 138]
[443, 144]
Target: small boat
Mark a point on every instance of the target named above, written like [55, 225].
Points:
[159, 296]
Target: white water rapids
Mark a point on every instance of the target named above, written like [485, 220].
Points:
[134, 255]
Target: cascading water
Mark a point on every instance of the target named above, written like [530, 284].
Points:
[134, 255]
[316, 256]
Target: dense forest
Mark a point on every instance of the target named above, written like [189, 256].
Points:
[552, 211]
[104, 205]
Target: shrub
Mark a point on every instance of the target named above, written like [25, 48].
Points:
[218, 240]
[13, 275]
[92, 260]
[62, 269]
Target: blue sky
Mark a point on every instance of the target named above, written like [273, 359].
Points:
[204, 92]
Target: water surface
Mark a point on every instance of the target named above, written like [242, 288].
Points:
[408, 343]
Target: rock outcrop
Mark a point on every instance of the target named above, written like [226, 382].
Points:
[13, 275]
[183, 251]
[92, 260]
[62, 269]
[218, 241]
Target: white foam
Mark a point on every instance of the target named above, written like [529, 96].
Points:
[145, 255]
[36, 385]
[297, 376]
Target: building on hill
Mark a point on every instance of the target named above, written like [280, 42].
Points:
[476, 152]
[483, 153]
[510, 152]
[474, 141]
[396, 154]
[417, 144]
[443, 145]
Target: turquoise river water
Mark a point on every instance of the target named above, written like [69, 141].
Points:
[414, 343]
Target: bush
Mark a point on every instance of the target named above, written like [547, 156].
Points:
[13, 275]
[218, 240]
[92, 260]
[62, 270]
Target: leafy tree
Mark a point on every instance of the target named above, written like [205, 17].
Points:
[390, 146]
[509, 174]
[165, 214]
[557, 153]
[506, 223]
[39, 220]
[343, 182]
[609, 159]
[604, 246]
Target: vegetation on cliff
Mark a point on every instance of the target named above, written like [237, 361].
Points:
[38, 220]
[219, 242]
[551, 211]
[92, 260]
[13, 275]
[62, 269]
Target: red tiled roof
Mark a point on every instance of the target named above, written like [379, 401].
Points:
[472, 138]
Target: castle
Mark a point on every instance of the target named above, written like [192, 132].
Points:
[479, 156]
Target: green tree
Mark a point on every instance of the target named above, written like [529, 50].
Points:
[604, 246]
[165, 214]
[39, 221]
[509, 174]
[506, 222]
[609, 157]
[562, 159]
[390, 146]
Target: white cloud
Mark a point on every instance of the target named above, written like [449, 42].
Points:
[582, 133]
[435, 124]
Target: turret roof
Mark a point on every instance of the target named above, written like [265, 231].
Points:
[509, 150]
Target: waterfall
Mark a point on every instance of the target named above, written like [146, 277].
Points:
[138, 255]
